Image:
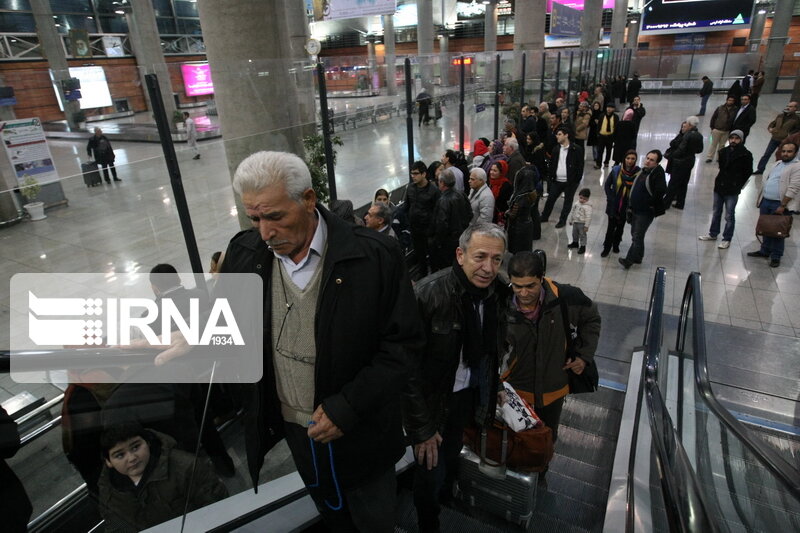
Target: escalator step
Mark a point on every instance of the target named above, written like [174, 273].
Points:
[563, 507]
[585, 447]
[561, 483]
[593, 419]
[608, 398]
[570, 468]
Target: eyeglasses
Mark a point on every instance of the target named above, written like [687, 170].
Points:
[285, 352]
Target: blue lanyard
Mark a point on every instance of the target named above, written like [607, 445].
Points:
[333, 472]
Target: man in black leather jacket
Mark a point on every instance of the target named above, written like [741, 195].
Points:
[456, 380]
[681, 157]
[451, 216]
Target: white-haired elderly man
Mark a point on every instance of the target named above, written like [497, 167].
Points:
[481, 198]
[516, 161]
[680, 161]
[339, 322]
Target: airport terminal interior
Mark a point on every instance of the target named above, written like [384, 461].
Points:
[696, 423]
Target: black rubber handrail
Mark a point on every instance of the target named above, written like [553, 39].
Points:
[684, 502]
[787, 474]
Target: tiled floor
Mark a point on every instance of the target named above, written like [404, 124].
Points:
[134, 224]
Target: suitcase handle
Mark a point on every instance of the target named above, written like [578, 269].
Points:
[488, 467]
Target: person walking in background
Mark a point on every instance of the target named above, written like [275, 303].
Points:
[100, 149]
[735, 165]
[681, 157]
[191, 134]
[784, 125]
[705, 94]
[579, 218]
[618, 191]
[720, 124]
[424, 102]
[755, 90]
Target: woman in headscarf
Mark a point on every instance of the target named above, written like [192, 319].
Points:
[618, 186]
[501, 190]
[625, 136]
[519, 222]
[594, 128]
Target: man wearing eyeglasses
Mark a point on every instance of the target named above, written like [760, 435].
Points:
[455, 382]
[537, 364]
[339, 321]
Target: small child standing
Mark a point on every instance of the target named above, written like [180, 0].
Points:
[579, 218]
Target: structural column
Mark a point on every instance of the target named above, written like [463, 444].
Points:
[425, 42]
[371, 62]
[591, 23]
[777, 41]
[146, 44]
[757, 21]
[444, 64]
[53, 49]
[529, 21]
[490, 27]
[618, 20]
[264, 98]
[389, 54]
[8, 209]
[632, 40]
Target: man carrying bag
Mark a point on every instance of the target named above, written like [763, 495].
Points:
[780, 196]
[552, 334]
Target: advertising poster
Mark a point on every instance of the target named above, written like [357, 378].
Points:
[197, 79]
[79, 43]
[683, 16]
[27, 150]
[565, 20]
[347, 9]
[577, 4]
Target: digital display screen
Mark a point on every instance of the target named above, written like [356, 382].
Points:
[197, 79]
[671, 16]
[576, 4]
[94, 88]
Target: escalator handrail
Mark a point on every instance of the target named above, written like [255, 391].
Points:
[685, 507]
[786, 473]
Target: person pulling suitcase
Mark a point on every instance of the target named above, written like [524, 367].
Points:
[100, 149]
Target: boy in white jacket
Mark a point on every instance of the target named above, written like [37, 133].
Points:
[579, 218]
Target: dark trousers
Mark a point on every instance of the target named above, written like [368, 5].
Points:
[551, 415]
[107, 166]
[641, 222]
[773, 246]
[433, 486]
[762, 164]
[676, 190]
[604, 143]
[419, 240]
[556, 188]
[368, 508]
[703, 102]
[616, 226]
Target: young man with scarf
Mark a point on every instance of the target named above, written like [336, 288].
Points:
[618, 190]
[456, 380]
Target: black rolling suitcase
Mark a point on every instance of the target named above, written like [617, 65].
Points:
[496, 489]
[91, 173]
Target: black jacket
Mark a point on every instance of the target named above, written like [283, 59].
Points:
[16, 506]
[451, 217]
[682, 150]
[516, 162]
[634, 86]
[574, 163]
[735, 168]
[365, 327]
[708, 87]
[647, 193]
[745, 120]
[421, 203]
[101, 148]
[430, 386]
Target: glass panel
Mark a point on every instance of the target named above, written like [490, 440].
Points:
[116, 24]
[163, 8]
[15, 5]
[17, 22]
[71, 6]
[166, 26]
[189, 26]
[185, 9]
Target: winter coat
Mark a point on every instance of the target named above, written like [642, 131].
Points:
[650, 197]
[452, 216]
[365, 327]
[735, 168]
[784, 125]
[161, 493]
[745, 120]
[536, 352]
[682, 150]
[430, 387]
[574, 164]
[789, 186]
[722, 119]
[616, 204]
[16, 505]
[580, 214]
[421, 203]
[582, 120]
[101, 150]
[634, 86]
[482, 203]
[624, 139]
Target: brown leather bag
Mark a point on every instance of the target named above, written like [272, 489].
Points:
[776, 226]
[525, 451]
